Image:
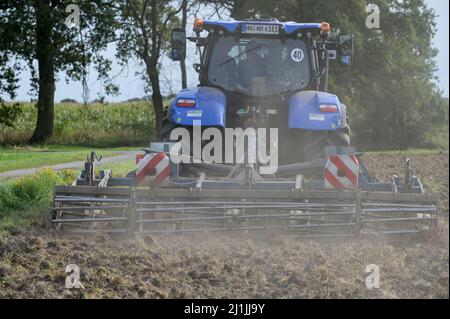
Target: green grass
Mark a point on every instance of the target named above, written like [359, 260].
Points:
[30, 157]
[60, 147]
[120, 169]
[24, 220]
[27, 200]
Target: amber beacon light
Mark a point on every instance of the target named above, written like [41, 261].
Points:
[325, 27]
[198, 23]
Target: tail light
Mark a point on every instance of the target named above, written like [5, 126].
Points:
[186, 102]
[328, 108]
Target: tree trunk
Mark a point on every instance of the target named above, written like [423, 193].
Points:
[44, 53]
[183, 74]
[183, 62]
[152, 72]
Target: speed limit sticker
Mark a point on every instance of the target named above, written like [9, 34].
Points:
[297, 55]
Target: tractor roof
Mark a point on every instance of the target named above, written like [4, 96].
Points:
[289, 26]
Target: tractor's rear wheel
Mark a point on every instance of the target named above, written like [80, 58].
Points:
[305, 146]
[166, 128]
[314, 147]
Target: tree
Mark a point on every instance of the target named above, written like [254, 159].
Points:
[390, 91]
[8, 84]
[34, 34]
[184, 13]
[144, 34]
[193, 6]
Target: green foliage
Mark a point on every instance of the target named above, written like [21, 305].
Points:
[123, 124]
[9, 113]
[36, 35]
[32, 191]
[390, 91]
[72, 49]
[145, 35]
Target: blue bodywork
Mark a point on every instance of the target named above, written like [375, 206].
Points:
[289, 27]
[210, 107]
[304, 111]
[211, 103]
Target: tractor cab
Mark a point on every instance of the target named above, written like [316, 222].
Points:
[258, 66]
[257, 58]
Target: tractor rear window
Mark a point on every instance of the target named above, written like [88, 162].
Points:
[259, 66]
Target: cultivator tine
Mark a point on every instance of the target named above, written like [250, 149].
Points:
[208, 216]
[77, 213]
[356, 213]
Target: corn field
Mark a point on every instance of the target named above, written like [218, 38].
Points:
[121, 123]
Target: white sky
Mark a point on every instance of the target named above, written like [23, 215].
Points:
[441, 8]
[132, 86]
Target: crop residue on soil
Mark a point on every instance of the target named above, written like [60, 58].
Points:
[219, 267]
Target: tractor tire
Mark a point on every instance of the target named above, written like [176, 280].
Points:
[314, 147]
[305, 146]
[166, 128]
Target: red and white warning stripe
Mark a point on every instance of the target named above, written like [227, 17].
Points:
[156, 165]
[341, 172]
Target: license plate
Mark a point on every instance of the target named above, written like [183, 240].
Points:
[194, 113]
[316, 117]
[260, 29]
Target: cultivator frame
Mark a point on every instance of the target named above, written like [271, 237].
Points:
[245, 202]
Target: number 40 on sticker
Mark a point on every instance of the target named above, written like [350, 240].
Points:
[297, 55]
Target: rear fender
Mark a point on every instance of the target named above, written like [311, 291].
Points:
[304, 112]
[210, 107]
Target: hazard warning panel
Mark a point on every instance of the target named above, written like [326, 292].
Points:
[341, 172]
[156, 165]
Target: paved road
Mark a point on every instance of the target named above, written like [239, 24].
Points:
[78, 164]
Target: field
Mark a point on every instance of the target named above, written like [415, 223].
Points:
[33, 259]
[97, 125]
[33, 256]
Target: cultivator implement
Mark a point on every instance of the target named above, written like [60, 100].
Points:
[317, 202]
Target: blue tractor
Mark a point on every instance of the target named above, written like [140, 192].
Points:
[253, 74]
[265, 73]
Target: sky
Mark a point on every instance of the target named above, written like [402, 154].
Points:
[441, 8]
[132, 86]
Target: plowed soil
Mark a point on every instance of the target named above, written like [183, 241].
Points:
[32, 265]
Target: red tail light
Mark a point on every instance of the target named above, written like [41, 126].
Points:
[328, 108]
[186, 102]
